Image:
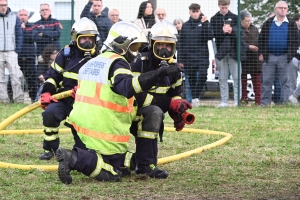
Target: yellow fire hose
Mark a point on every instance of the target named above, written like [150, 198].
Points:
[65, 94]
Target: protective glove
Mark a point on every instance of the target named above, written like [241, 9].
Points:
[178, 121]
[46, 99]
[180, 105]
[74, 90]
[170, 70]
[149, 79]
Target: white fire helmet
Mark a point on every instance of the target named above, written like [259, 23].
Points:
[85, 28]
[163, 36]
[125, 38]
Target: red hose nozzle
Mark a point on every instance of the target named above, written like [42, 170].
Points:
[188, 118]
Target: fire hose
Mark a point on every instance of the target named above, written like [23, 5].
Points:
[188, 117]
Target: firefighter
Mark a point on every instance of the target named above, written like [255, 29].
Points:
[104, 106]
[161, 98]
[62, 76]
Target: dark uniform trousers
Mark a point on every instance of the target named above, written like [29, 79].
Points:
[52, 116]
[28, 68]
[87, 161]
[150, 123]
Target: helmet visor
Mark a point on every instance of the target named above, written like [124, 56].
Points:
[135, 46]
[164, 50]
[86, 42]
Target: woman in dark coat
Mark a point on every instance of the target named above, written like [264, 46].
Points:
[44, 63]
[251, 65]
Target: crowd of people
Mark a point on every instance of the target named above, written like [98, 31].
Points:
[24, 55]
[132, 72]
[269, 56]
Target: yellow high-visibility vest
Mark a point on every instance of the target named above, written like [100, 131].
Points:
[101, 117]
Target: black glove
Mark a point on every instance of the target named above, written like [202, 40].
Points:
[170, 70]
[149, 79]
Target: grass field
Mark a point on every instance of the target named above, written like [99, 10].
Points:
[261, 161]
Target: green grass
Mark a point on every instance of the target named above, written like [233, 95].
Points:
[261, 161]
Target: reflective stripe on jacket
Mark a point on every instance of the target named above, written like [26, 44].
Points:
[101, 117]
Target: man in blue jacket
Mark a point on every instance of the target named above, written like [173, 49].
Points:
[278, 44]
[11, 38]
[99, 17]
[47, 30]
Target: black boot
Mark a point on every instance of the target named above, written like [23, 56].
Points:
[107, 176]
[67, 160]
[129, 164]
[125, 171]
[47, 155]
[152, 171]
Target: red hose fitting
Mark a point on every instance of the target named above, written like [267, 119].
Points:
[188, 118]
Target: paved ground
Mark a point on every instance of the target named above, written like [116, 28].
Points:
[27, 100]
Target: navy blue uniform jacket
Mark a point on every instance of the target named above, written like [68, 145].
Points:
[51, 30]
[165, 89]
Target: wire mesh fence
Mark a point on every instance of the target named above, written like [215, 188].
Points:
[221, 65]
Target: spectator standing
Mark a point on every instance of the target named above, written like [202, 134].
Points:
[11, 38]
[251, 65]
[145, 18]
[47, 30]
[278, 43]
[193, 53]
[114, 15]
[99, 17]
[160, 14]
[44, 63]
[296, 63]
[222, 23]
[45, 60]
[277, 84]
[178, 24]
[27, 57]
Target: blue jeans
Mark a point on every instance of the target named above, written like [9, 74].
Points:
[188, 92]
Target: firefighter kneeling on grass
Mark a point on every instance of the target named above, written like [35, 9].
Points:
[62, 76]
[105, 107]
[163, 97]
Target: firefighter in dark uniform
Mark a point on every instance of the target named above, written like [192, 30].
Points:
[104, 106]
[62, 76]
[163, 97]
